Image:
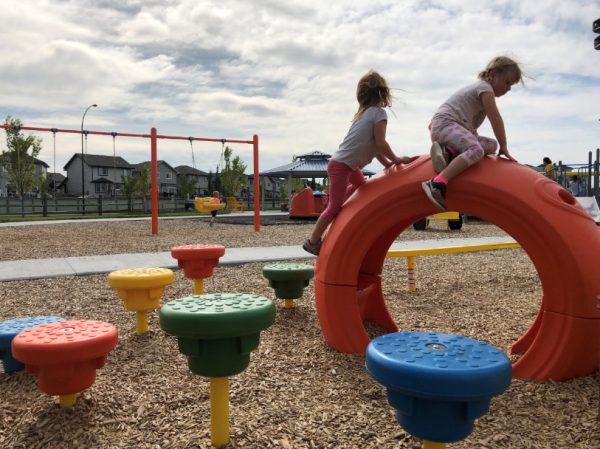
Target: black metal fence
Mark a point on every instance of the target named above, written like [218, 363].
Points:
[95, 206]
[98, 206]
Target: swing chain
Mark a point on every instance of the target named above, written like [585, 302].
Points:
[191, 139]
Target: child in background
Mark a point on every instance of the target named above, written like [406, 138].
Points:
[364, 141]
[574, 185]
[456, 144]
[213, 213]
[549, 169]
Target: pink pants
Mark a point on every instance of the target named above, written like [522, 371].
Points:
[343, 181]
[471, 146]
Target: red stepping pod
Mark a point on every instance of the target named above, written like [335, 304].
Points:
[65, 355]
[198, 262]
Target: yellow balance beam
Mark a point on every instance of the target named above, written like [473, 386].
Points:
[411, 253]
[445, 216]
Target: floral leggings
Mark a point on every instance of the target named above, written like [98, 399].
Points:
[470, 146]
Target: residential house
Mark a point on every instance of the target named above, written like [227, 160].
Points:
[57, 182]
[103, 175]
[200, 178]
[271, 187]
[167, 177]
[40, 167]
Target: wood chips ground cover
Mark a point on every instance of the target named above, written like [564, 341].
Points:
[297, 392]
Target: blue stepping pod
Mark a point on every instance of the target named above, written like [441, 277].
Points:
[438, 383]
[9, 330]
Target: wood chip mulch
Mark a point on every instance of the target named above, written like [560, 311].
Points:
[297, 392]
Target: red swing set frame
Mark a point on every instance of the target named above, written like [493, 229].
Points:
[154, 137]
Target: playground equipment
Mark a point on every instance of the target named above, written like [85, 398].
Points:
[455, 221]
[233, 204]
[590, 205]
[438, 383]
[198, 262]
[207, 204]
[141, 289]
[154, 137]
[9, 329]
[307, 204]
[65, 355]
[288, 280]
[557, 234]
[217, 332]
[412, 253]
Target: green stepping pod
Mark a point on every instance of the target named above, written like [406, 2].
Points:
[288, 279]
[217, 331]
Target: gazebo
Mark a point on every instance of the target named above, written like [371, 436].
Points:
[309, 165]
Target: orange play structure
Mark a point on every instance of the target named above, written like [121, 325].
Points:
[558, 235]
[306, 204]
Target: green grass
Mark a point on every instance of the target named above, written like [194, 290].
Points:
[57, 217]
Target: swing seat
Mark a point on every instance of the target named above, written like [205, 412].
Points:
[208, 204]
[234, 204]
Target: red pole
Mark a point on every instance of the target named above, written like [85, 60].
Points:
[154, 180]
[256, 186]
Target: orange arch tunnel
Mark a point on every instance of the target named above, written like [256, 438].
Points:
[561, 240]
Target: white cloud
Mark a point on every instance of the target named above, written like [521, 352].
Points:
[287, 71]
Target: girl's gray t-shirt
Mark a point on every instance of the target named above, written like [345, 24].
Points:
[465, 106]
[358, 147]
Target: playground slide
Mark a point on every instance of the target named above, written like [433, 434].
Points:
[590, 205]
[546, 220]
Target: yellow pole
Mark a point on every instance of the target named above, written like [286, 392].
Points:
[412, 273]
[219, 411]
[141, 322]
[198, 286]
[288, 304]
[67, 400]
[433, 445]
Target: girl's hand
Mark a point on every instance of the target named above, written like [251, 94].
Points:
[504, 152]
[405, 159]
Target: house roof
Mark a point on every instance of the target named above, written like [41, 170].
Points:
[40, 162]
[187, 170]
[140, 164]
[308, 165]
[100, 160]
[56, 177]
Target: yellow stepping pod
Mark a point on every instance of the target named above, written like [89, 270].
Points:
[141, 289]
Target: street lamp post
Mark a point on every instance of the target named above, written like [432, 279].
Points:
[82, 164]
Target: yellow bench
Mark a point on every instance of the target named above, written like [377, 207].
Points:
[455, 220]
[411, 253]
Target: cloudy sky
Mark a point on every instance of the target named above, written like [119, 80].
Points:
[287, 71]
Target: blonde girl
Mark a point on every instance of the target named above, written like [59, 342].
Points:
[456, 144]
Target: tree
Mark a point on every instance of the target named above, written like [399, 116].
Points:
[144, 183]
[19, 159]
[233, 173]
[129, 188]
[210, 181]
[186, 186]
[43, 184]
[214, 182]
[297, 186]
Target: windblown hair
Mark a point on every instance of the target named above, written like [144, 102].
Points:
[372, 90]
[503, 66]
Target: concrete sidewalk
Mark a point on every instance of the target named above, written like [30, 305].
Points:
[15, 270]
